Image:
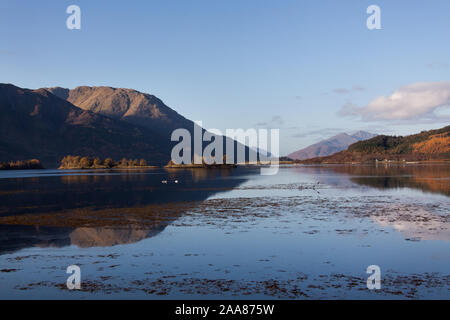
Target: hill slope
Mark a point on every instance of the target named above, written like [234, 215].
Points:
[126, 104]
[427, 145]
[329, 146]
[140, 109]
[38, 124]
[106, 122]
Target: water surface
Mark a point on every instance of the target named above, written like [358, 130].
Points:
[308, 232]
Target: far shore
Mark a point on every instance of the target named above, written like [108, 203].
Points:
[229, 166]
[108, 168]
[306, 162]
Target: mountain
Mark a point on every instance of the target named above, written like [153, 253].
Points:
[329, 146]
[126, 104]
[363, 135]
[137, 108]
[427, 145]
[38, 124]
[51, 123]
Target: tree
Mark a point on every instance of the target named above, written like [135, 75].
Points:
[170, 163]
[75, 161]
[85, 162]
[142, 163]
[34, 164]
[21, 164]
[109, 163]
[66, 161]
[135, 162]
[98, 162]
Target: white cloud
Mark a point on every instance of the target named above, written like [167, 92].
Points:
[415, 101]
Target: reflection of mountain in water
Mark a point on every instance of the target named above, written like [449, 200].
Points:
[428, 178]
[415, 223]
[16, 237]
[102, 208]
[106, 237]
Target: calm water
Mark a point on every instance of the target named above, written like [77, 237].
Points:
[308, 232]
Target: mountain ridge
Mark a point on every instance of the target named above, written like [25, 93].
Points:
[130, 105]
[33, 118]
[334, 144]
[106, 123]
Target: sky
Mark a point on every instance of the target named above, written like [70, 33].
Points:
[311, 68]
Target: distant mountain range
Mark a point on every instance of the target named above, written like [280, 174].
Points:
[330, 146]
[51, 123]
[427, 145]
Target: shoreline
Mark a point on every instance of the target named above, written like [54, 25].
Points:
[306, 162]
[426, 162]
[107, 168]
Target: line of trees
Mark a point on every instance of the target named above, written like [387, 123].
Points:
[69, 162]
[21, 164]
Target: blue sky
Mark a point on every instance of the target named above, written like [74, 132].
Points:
[242, 63]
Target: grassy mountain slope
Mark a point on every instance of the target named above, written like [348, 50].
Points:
[126, 104]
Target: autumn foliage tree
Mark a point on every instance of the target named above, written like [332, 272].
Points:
[21, 164]
[97, 162]
[109, 163]
[85, 162]
[77, 162]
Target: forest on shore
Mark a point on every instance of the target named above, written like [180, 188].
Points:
[78, 162]
[21, 165]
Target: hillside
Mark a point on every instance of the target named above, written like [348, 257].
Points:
[126, 104]
[427, 145]
[38, 124]
[134, 107]
[330, 146]
[104, 122]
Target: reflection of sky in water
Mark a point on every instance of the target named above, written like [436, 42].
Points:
[316, 221]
